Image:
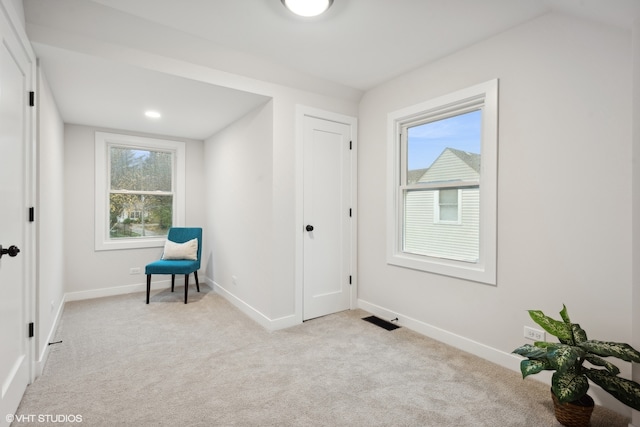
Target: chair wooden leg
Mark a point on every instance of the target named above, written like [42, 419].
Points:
[148, 286]
[186, 287]
[173, 281]
[195, 273]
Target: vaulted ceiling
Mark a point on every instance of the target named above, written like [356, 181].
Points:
[357, 45]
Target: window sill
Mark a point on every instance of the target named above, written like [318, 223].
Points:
[112, 245]
[475, 272]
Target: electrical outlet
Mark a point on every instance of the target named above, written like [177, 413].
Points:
[534, 334]
[234, 280]
[134, 270]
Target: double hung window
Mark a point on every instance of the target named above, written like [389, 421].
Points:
[442, 185]
[139, 190]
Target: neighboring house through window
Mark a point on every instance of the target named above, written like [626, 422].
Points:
[139, 190]
[442, 185]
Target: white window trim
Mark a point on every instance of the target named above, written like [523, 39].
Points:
[103, 141]
[436, 209]
[485, 270]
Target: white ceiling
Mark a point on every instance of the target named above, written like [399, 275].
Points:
[97, 92]
[357, 45]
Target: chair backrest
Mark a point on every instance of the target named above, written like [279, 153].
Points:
[184, 234]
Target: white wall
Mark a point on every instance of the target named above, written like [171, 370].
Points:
[49, 217]
[564, 186]
[19, 8]
[264, 254]
[239, 197]
[267, 292]
[283, 297]
[636, 204]
[90, 273]
[59, 29]
[564, 159]
[271, 299]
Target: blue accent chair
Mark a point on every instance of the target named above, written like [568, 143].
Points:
[177, 266]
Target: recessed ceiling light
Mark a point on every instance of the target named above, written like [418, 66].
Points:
[152, 114]
[307, 8]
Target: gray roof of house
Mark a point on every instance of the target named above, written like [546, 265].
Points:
[414, 175]
[472, 159]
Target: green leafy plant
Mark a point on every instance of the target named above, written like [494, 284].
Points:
[570, 379]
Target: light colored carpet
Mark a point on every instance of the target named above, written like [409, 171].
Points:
[125, 363]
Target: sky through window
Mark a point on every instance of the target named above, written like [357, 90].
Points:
[426, 142]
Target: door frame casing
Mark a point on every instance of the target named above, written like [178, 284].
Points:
[23, 48]
[302, 112]
[29, 175]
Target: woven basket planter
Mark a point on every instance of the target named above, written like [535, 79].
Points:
[573, 414]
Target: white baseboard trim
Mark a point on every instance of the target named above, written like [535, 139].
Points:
[507, 360]
[122, 290]
[107, 292]
[254, 314]
[45, 347]
[499, 357]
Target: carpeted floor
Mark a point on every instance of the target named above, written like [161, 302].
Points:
[124, 363]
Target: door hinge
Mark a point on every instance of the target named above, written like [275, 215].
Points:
[31, 330]
[32, 214]
[32, 99]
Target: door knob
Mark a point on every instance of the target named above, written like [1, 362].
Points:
[12, 251]
[309, 227]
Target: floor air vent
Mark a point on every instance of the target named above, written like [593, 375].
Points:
[381, 322]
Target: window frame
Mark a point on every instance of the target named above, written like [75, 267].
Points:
[484, 95]
[103, 142]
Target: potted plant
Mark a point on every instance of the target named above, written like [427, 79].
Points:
[570, 381]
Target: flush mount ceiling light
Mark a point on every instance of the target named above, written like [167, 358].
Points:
[152, 114]
[307, 8]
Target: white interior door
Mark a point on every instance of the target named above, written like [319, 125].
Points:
[327, 222]
[14, 358]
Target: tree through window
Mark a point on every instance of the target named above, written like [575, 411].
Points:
[141, 192]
